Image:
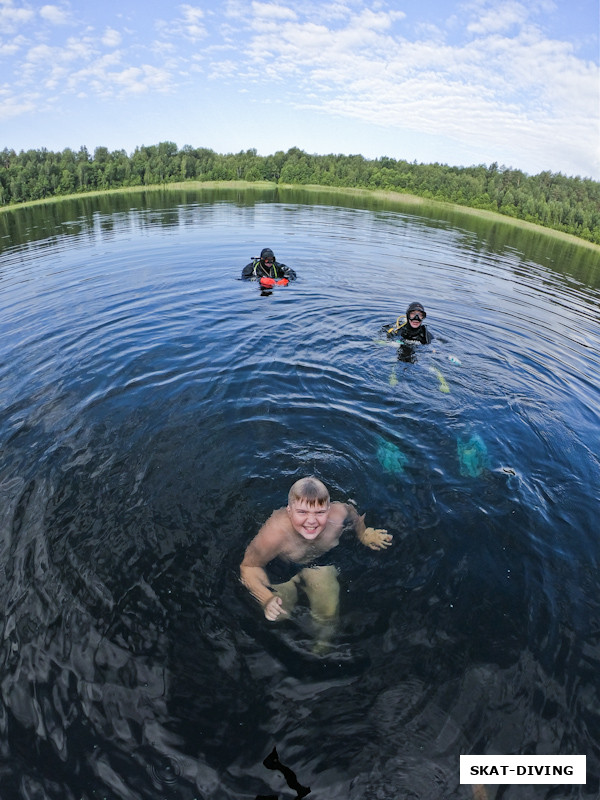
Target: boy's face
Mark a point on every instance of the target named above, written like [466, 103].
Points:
[308, 519]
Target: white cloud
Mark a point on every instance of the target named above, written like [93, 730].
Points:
[11, 106]
[223, 69]
[520, 89]
[40, 53]
[143, 79]
[272, 11]
[52, 67]
[54, 14]
[11, 18]
[188, 25]
[9, 49]
[191, 20]
[49, 56]
[111, 38]
[499, 19]
[100, 77]
[491, 82]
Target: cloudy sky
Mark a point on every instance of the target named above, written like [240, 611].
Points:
[428, 80]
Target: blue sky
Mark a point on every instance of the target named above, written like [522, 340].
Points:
[443, 81]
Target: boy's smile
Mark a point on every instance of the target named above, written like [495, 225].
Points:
[308, 519]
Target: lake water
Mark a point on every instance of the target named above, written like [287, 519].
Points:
[155, 410]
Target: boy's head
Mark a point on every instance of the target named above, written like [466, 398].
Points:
[415, 314]
[310, 489]
[308, 507]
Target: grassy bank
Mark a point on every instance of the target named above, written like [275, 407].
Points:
[158, 187]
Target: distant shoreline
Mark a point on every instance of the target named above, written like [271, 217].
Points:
[388, 196]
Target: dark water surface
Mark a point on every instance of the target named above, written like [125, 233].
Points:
[155, 409]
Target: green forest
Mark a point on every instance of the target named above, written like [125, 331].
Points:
[550, 199]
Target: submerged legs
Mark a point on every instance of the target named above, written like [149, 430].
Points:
[288, 592]
[323, 591]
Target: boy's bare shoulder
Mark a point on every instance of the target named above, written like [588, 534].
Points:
[278, 519]
[276, 528]
[338, 512]
[270, 540]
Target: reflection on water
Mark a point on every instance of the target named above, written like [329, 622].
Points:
[155, 409]
[122, 212]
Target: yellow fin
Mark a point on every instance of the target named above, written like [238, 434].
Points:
[443, 384]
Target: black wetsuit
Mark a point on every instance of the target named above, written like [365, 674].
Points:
[409, 336]
[420, 334]
[256, 269]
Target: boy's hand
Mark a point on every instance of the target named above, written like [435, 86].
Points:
[273, 608]
[376, 538]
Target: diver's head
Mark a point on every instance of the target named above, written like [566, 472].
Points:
[415, 314]
[267, 256]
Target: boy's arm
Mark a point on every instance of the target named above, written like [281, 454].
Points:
[373, 538]
[259, 552]
[256, 580]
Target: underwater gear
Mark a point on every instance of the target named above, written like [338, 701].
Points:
[420, 334]
[416, 307]
[267, 253]
[394, 329]
[443, 385]
[403, 328]
[472, 456]
[264, 267]
[268, 283]
[391, 458]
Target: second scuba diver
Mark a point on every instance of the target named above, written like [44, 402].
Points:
[409, 330]
[267, 270]
[413, 329]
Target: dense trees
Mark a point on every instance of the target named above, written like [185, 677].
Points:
[551, 199]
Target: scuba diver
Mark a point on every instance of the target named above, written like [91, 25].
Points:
[410, 330]
[267, 270]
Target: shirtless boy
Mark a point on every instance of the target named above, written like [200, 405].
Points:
[300, 539]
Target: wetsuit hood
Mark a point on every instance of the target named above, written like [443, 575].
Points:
[416, 307]
[266, 252]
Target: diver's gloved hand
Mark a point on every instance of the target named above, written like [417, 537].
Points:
[376, 538]
[270, 282]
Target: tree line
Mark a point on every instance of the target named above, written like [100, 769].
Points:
[569, 204]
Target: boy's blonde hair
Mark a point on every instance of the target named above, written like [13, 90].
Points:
[310, 489]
